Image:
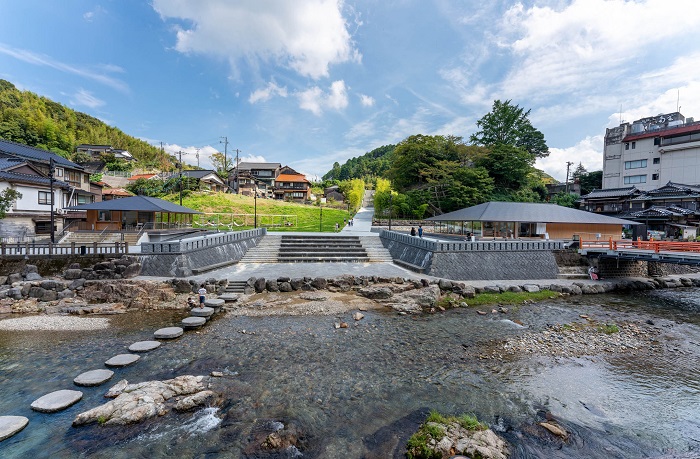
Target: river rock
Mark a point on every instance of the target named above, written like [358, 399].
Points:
[144, 346]
[358, 316]
[56, 401]
[555, 429]
[168, 333]
[492, 289]
[93, 378]
[531, 288]
[10, 425]
[415, 301]
[138, 402]
[376, 293]
[319, 283]
[228, 297]
[122, 360]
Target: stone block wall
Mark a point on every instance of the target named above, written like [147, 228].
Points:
[666, 269]
[611, 268]
[494, 265]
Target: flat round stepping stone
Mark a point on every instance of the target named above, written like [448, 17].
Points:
[57, 401]
[228, 297]
[168, 333]
[215, 303]
[203, 312]
[144, 346]
[193, 322]
[122, 360]
[10, 425]
[93, 378]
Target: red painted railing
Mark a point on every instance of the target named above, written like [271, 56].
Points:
[656, 246]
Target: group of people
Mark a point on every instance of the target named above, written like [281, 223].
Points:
[202, 296]
[345, 222]
[420, 231]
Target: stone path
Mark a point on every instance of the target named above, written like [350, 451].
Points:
[62, 399]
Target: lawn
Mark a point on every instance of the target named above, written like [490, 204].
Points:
[236, 212]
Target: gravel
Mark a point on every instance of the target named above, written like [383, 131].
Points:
[54, 323]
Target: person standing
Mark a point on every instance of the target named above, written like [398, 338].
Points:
[413, 231]
[420, 231]
[202, 295]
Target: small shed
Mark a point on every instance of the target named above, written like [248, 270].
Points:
[525, 219]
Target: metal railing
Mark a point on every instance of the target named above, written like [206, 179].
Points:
[654, 246]
[31, 249]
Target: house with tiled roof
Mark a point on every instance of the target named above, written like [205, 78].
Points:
[249, 175]
[27, 170]
[290, 185]
[136, 177]
[208, 180]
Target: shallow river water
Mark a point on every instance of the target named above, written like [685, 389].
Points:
[360, 392]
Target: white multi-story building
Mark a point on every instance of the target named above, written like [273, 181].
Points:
[652, 151]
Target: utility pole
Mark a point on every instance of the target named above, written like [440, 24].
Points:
[179, 165]
[568, 164]
[197, 158]
[237, 175]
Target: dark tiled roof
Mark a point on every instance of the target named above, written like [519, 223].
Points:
[137, 203]
[611, 193]
[527, 212]
[246, 165]
[6, 163]
[198, 174]
[33, 179]
[35, 154]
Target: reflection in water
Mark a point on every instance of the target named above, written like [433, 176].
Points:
[360, 392]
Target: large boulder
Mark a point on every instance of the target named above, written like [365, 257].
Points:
[376, 293]
[137, 402]
[416, 300]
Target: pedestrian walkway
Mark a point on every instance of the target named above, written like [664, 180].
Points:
[362, 223]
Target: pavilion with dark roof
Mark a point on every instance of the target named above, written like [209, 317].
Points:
[525, 219]
[135, 213]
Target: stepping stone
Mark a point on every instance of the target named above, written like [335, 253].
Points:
[57, 401]
[215, 303]
[122, 360]
[203, 312]
[193, 322]
[144, 346]
[93, 378]
[168, 333]
[229, 297]
[10, 425]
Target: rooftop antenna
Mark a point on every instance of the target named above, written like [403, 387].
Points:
[620, 114]
[678, 101]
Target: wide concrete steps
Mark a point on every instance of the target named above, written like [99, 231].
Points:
[573, 272]
[321, 249]
[235, 286]
[266, 251]
[376, 251]
[86, 238]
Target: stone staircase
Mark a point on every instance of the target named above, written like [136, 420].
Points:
[235, 286]
[573, 272]
[375, 250]
[266, 251]
[315, 249]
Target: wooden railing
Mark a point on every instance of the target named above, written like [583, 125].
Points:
[655, 246]
[48, 249]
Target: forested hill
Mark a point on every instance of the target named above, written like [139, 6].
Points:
[368, 166]
[40, 122]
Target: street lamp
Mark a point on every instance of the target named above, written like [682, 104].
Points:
[390, 203]
[255, 199]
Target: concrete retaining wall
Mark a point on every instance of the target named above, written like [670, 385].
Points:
[487, 260]
[187, 257]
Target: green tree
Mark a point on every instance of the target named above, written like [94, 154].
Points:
[590, 181]
[565, 199]
[146, 187]
[508, 165]
[221, 164]
[508, 124]
[8, 197]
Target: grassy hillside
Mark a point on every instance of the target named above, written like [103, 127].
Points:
[220, 210]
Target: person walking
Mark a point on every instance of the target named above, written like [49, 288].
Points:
[420, 231]
[413, 231]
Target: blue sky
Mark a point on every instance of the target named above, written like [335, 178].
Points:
[310, 82]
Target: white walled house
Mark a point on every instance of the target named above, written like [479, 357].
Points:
[652, 151]
[26, 170]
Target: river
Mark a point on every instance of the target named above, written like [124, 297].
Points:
[360, 392]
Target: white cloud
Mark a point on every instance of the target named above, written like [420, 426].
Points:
[88, 72]
[83, 97]
[315, 100]
[588, 152]
[586, 42]
[305, 35]
[366, 101]
[89, 16]
[266, 93]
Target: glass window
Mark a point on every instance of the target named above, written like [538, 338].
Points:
[656, 161]
[630, 179]
[634, 145]
[45, 197]
[627, 146]
[636, 164]
[655, 176]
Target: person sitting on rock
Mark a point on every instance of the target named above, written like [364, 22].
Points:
[190, 302]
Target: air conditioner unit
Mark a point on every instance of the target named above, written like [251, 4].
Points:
[60, 211]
